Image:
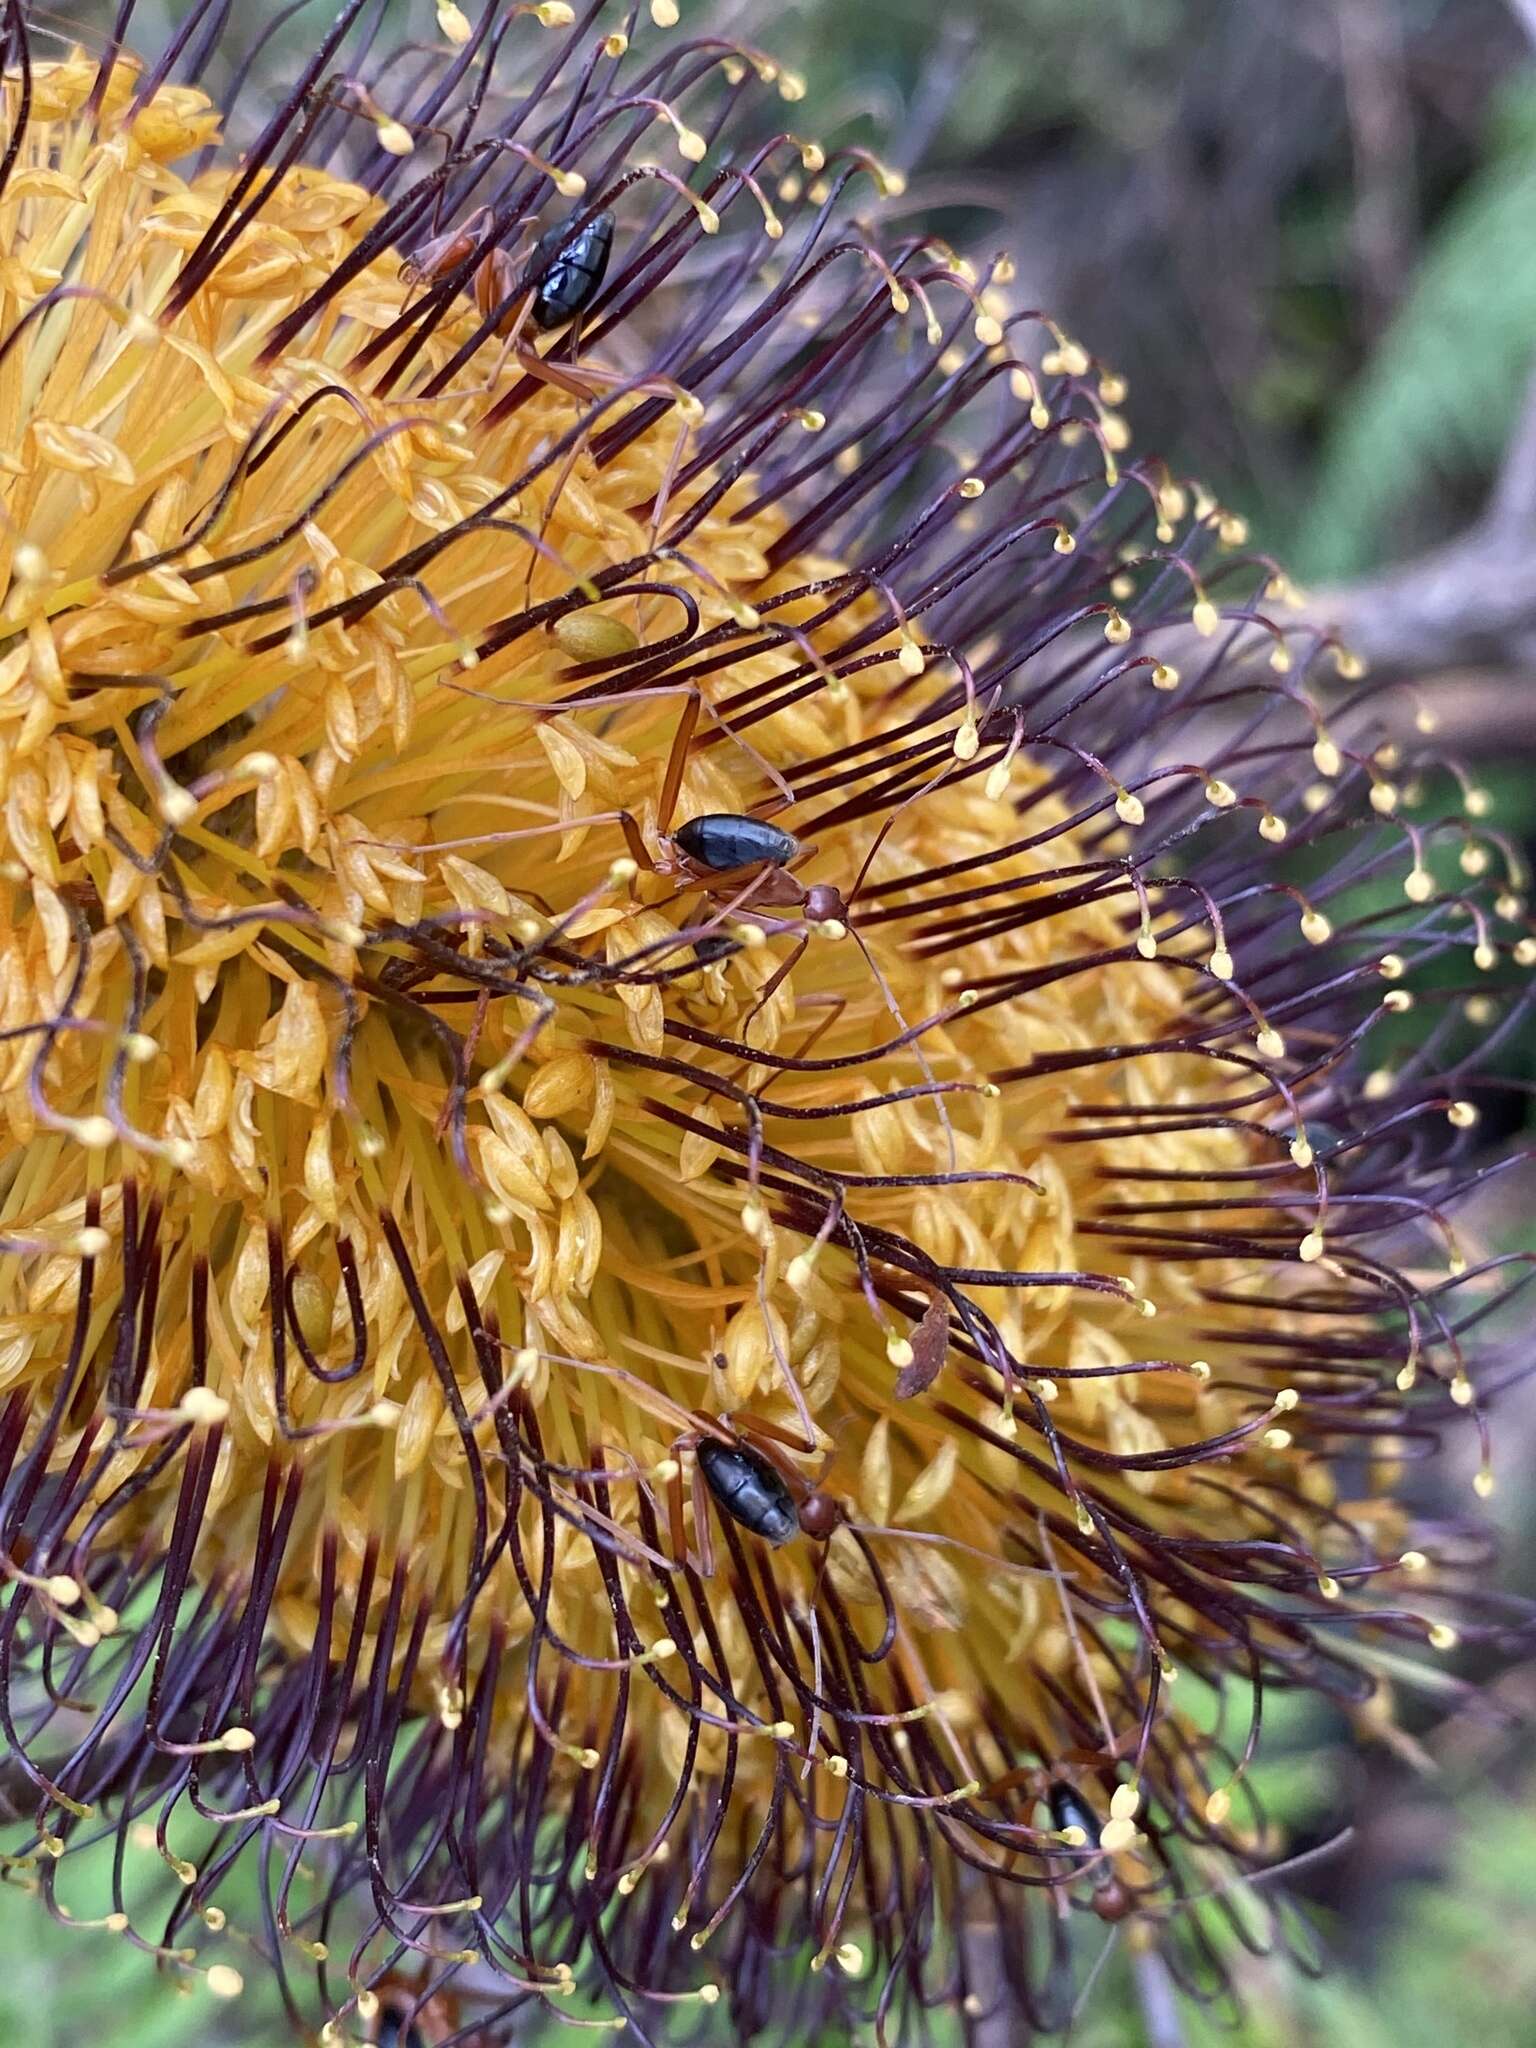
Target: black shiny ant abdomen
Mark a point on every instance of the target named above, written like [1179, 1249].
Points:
[723, 840]
[566, 269]
[1111, 1900]
[749, 1490]
[1069, 1810]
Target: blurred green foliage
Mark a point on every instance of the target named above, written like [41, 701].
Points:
[1437, 398]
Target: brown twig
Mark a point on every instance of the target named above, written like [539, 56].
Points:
[1470, 602]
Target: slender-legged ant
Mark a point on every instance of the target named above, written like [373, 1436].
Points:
[1111, 1899]
[747, 1477]
[557, 282]
[555, 285]
[738, 860]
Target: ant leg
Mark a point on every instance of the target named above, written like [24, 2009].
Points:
[677, 762]
[668, 479]
[587, 381]
[916, 1042]
[639, 852]
[771, 1433]
[566, 471]
[786, 967]
[453, 1103]
[675, 1510]
[703, 1534]
[1091, 1980]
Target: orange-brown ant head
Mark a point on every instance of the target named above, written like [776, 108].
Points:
[821, 1513]
[824, 904]
[1113, 1901]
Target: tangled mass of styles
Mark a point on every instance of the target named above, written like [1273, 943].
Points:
[733, 1087]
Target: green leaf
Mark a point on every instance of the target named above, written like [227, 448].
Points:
[1441, 391]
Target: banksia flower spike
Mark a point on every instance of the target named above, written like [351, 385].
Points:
[711, 1147]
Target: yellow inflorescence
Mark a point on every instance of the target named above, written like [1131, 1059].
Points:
[324, 782]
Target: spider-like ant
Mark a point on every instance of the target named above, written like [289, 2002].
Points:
[740, 861]
[745, 1473]
[558, 281]
[1111, 1900]
[556, 284]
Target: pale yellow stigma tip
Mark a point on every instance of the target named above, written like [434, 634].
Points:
[203, 1406]
[224, 1981]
